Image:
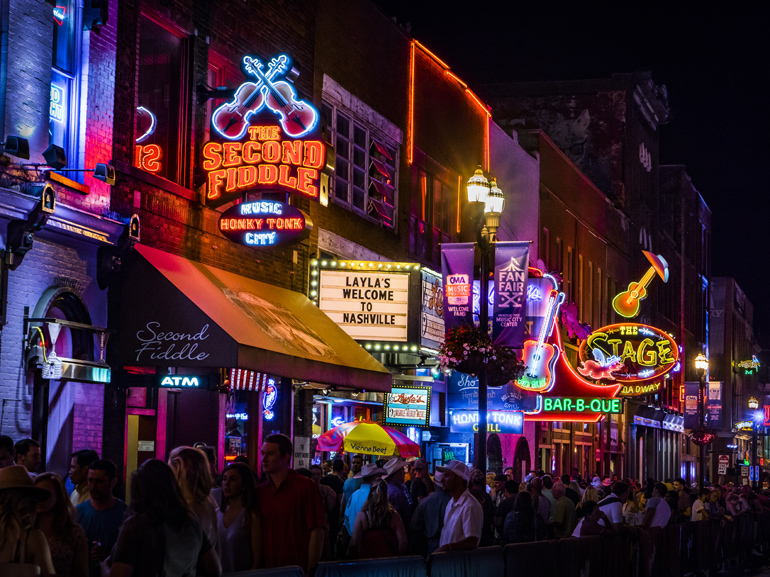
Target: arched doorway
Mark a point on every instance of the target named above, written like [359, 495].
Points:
[522, 461]
[494, 453]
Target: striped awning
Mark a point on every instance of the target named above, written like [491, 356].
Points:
[245, 380]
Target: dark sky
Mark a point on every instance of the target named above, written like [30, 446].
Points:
[715, 65]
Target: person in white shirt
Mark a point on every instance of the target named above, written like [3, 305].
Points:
[79, 464]
[464, 517]
[699, 512]
[657, 512]
[612, 505]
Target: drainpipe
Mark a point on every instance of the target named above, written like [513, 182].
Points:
[4, 25]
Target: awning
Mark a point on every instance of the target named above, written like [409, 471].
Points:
[648, 417]
[673, 422]
[180, 313]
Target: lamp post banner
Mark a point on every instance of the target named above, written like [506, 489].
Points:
[691, 407]
[511, 271]
[714, 405]
[457, 273]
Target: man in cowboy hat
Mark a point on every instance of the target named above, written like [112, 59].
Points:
[21, 496]
[398, 495]
[367, 475]
[464, 516]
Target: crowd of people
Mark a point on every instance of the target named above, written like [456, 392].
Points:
[183, 519]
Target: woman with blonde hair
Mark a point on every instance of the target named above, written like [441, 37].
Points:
[193, 474]
[591, 494]
[378, 530]
[56, 519]
[20, 542]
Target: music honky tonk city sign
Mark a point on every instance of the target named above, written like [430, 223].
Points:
[266, 137]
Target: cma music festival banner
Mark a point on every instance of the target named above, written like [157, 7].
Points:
[714, 405]
[691, 407]
[511, 271]
[457, 273]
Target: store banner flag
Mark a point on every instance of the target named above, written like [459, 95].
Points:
[511, 271]
[691, 396]
[457, 273]
[714, 405]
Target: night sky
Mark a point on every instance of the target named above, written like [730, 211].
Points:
[714, 64]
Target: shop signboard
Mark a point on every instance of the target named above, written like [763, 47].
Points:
[367, 304]
[265, 223]
[407, 406]
[633, 355]
[506, 422]
[463, 394]
[265, 138]
[431, 310]
[510, 278]
[182, 381]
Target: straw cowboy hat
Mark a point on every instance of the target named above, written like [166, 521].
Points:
[17, 478]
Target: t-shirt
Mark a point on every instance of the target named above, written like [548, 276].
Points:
[697, 507]
[78, 497]
[462, 519]
[662, 511]
[290, 512]
[564, 519]
[161, 550]
[418, 490]
[505, 507]
[549, 495]
[354, 505]
[334, 482]
[613, 508]
[350, 487]
[101, 526]
[572, 495]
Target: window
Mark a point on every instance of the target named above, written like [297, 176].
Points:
[441, 208]
[160, 117]
[366, 173]
[64, 114]
[219, 74]
[545, 247]
[580, 293]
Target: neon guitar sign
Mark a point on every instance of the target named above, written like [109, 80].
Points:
[539, 356]
[297, 117]
[626, 304]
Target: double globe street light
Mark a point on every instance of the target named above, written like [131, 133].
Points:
[702, 366]
[486, 203]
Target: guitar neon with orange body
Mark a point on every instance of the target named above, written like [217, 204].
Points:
[626, 303]
[232, 119]
[538, 356]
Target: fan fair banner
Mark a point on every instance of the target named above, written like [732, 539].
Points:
[511, 272]
[457, 273]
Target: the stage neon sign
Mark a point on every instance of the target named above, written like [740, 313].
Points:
[634, 355]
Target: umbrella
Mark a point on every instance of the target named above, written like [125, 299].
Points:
[369, 438]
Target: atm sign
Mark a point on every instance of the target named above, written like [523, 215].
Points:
[183, 382]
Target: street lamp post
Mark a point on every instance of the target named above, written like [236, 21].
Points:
[702, 366]
[486, 202]
[756, 418]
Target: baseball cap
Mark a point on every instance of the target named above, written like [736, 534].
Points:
[420, 464]
[370, 470]
[438, 479]
[458, 468]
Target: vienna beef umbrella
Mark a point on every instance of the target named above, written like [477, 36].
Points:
[369, 438]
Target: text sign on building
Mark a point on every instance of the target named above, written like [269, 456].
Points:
[634, 355]
[407, 406]
[508, 422]
[432, 310]
[367, 305]
[265, 137]
[265, 223]
[182, 381]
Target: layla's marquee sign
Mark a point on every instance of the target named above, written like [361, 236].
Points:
[265, 138]
[265, 223]
[634, 355]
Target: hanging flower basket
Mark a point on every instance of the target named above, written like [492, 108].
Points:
[702, 436]
[469, 350]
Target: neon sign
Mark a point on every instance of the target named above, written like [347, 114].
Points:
[634, 355]
[750, 365]
[540, 357]
[59, 13]
[148, 157]
[142, 117]
[183, 382]
[237, 416]
[581, 405]
[497, 422]
[272, 153]
[626, 304]
[269, 397]
[264, 223]
[56, 111]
